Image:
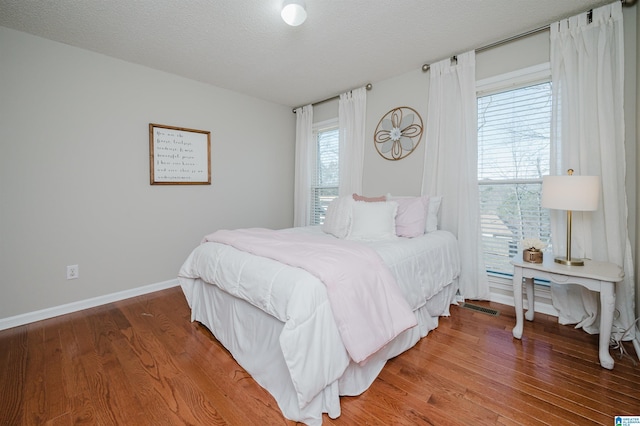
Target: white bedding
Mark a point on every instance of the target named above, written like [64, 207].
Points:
[302, 362]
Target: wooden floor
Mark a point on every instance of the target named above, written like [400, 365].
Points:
[142, 362]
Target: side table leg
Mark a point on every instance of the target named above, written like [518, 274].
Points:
[517, 302]
[607, 306]
[528, 284]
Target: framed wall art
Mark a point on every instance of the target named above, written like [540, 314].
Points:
[179, 156]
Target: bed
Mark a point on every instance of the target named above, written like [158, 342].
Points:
[283, 322]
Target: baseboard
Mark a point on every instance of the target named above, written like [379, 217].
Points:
[68, 308]
[542, 307]
[501, 291]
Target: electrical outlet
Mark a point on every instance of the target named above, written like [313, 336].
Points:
[73, 272]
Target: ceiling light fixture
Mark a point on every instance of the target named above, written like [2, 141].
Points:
[294, 12]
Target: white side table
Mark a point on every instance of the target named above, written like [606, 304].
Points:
[596, 276]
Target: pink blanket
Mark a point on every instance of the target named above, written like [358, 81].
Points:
[366, 301]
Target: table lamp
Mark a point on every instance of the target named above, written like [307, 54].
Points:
[570, 193]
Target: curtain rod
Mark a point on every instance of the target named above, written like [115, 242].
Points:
[425, 67]
[368, 86]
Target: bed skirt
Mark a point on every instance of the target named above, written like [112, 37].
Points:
[252, 338]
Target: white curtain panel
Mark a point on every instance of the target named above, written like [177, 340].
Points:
[451, 164]
[303, 166]
[587, 66]
[352, 111]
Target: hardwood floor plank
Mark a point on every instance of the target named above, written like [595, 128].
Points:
[73, 375]
[13, 359]
[58, 403]
[35, 409]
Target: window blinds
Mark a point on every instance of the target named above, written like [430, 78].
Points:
[326, 177]
[513, 155]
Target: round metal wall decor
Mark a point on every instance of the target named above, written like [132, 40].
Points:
[398, 133]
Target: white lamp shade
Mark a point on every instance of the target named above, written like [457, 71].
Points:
[293, 12]
[578, 193]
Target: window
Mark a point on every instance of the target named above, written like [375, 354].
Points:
[326, 176]
[513, 154]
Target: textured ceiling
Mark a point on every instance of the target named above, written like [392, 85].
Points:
[244, 46]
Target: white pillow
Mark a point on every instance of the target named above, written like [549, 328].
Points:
[373, 221]
[432, 213]
[337, 221]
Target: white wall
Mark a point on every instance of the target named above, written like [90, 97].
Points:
[74, 172]
[401, 177]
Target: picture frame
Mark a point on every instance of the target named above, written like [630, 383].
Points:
[179, 156]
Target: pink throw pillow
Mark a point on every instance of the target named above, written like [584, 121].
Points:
[411, 217]
[381, 198]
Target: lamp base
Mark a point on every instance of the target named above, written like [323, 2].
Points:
[569, 262]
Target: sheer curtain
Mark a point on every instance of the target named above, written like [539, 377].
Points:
[352, 111]
[587, 65]
[303, 166]
[451, 164]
